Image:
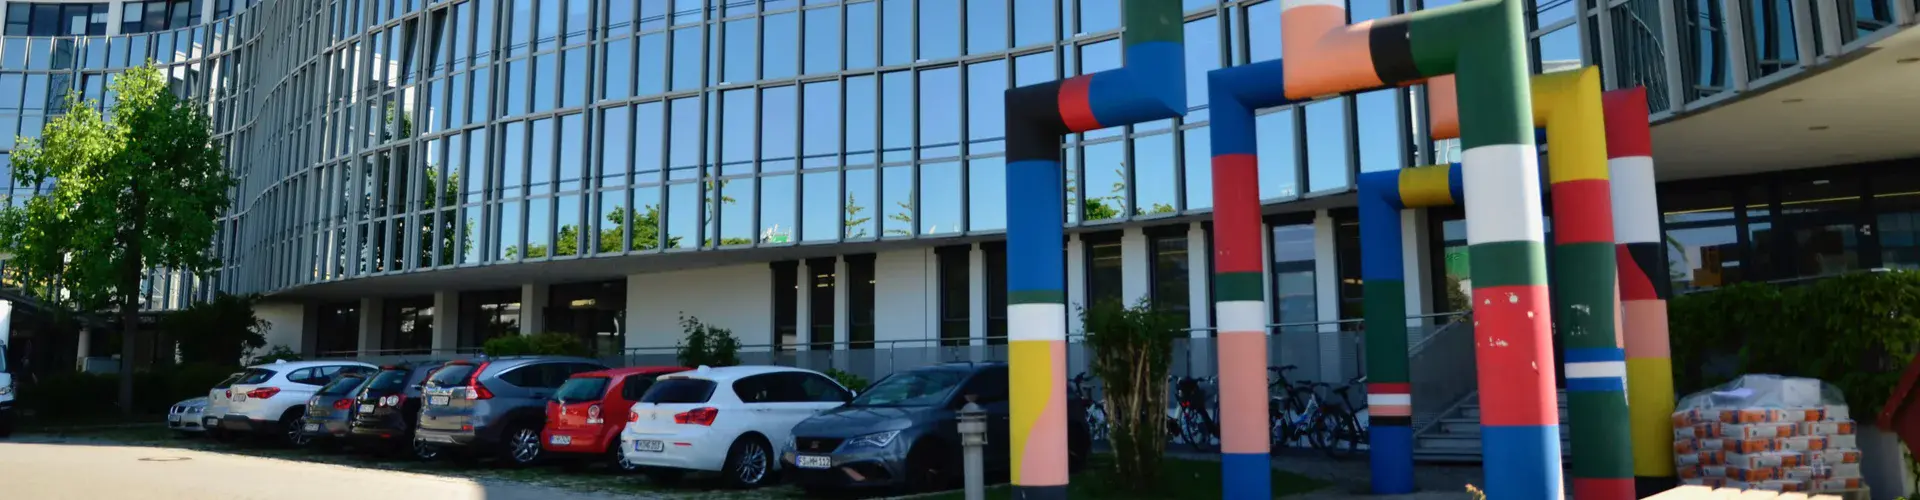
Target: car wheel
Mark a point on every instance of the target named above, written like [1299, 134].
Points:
[292, 426]
[749, 463]
[522, 445]
[930, 467]
[424, 451]
[617, 460]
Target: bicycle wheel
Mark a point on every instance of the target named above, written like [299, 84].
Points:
[1340, 432]
[1193, 426]
[1320, 432]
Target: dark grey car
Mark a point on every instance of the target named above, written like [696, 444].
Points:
[903, 432]
[494, 406]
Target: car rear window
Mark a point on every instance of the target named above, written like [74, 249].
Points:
[581, 390]
[452, 375]
[341, 386]
[228, 382]
[679, 390]
[255, 376]
[388, 380]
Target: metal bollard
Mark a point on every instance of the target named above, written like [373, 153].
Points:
[973, 437]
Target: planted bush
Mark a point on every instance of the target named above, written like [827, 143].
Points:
[706, 345]
[1132, 348]
[542, 344]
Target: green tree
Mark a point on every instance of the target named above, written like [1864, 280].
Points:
[443, 198]
[219, 332]
[1131, 350]
[138, 188]
[856, 225]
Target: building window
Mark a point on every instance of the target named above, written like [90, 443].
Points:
[488, 315]
[860, 282]
[1295, 299]
[1704, 242]
[1346, 241]
[1896, 202]
[56, 19]
[1819, 223]
[955, 302]
[407, 326]
[338, 329]
[1451, 275]
[1104, 274]
[592, 312]
[995, 255]
[786, 305]
[820, 303]
[1171, 286]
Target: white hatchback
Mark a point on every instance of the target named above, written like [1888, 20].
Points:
[724, 420]
[271, 399]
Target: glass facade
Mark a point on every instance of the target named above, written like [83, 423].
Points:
[383, 137]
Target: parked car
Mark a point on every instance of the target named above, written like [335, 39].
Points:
[216, 409]
[6, 392]
[577, 422]
[184, 417]
[388, 408]
[724, 420]
[494, 406]
[330, 411]
[270, 399]
[903, 432]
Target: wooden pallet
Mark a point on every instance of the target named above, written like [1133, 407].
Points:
[1706, 493]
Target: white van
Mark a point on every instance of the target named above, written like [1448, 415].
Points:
[6, 393]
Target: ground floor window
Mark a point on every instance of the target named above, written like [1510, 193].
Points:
[489, 314]
[407, 326]
[1168, 261]
[786, 304]
[593, 312]
[860, 283]
[955, 302]
[1104, 269]
[1295, 300]
[820, 303]
[994, 253]
[339, 329]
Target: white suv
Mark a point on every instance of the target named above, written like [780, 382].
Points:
[271, 399]
[6, 393]
[724, 420]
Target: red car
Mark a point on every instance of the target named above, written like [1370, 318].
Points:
[585, 416]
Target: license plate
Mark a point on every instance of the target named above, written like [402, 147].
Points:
[437, 400]
[210, 422]
[813, 461]
[436, 439]
[313, 427]
[561, 440]
[366, 408]
[173, 419]
[649, 445]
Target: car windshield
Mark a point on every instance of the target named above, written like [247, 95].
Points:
[916, 388]
[388, 380]
[581, 390]
[3, 358]
[341, 386]
[452, 375]
[255, 376]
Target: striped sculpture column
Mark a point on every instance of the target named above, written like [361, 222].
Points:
[1644, 288]
[1245, 436]
[1151, 87]
[1482, 42]
[1568, 103]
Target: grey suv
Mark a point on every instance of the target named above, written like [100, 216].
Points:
[494, 406]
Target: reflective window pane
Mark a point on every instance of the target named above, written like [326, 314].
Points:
[1264, 18]
[860, 35]
[1197, 159]
[742, 57]
[736, 203]
[826, 214]
[573, 150]
[896, 107]
[683, 155]
[647, 222]
[1279, 167]
[822, 125]
[540, 172]
[940, 203]
[1327, 145]
[939, 34]
[1153, 175]
[823, 40]
[776, 209]
[1032, 22]
[686, 58]
[649, 141]
[897, 201]
[652, 68]
[1106, 189]
[861, 120]
[780, 46]
[861, 208]
[896, 30]
[1380, 132]
[683, 215]
[612, 146]
[940, 113]
[736, 138]
[986, 26]
[987, 194]
[1099, 15]
[777, 119]
[986, 106]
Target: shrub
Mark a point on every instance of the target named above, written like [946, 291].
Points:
[220, 331]
[706, 345]
[852, 382]
[543, 344]
[277, 353]
[1132, 348]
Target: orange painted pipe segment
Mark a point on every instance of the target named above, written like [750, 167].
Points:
[1324, 54]
[1443, 109]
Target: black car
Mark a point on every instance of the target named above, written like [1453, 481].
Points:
[387, 407]
[904, 432]
[330, 411]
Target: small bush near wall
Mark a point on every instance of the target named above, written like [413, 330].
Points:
[1856, 331]
[72, 395]
[543, 344]
[855, 383]
[706, 345]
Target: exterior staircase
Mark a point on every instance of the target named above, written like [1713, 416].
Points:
[1455, 436]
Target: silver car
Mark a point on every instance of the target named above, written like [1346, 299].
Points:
[185, 417]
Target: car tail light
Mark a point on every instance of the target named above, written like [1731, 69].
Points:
[593, 415]
[342, 404]
[697, 416]
[392, 400]
[229, 393]
[476, 390]
[263, 393]
[633, 416]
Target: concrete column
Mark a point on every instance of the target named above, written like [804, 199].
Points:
[1076, 283]
[842, 306]
[114, 13]
[1326, 281]
[1135, 266]
[446, 321]
[371, 311]
[803, 309]
[977, 295]
[1199, 295]
[533, 309]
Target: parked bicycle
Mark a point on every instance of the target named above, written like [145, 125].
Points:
[1340, 422]
[1196, 422]
[1080, 388]
[1293, 410]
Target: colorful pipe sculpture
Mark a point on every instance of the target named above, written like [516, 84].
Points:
[1569, 105]
[1482, 43]
[1644, 288]
[1150, 87]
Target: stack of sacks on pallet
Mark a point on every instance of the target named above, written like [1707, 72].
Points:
[1766, 432]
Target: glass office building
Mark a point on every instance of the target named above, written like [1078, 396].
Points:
[826, 174]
